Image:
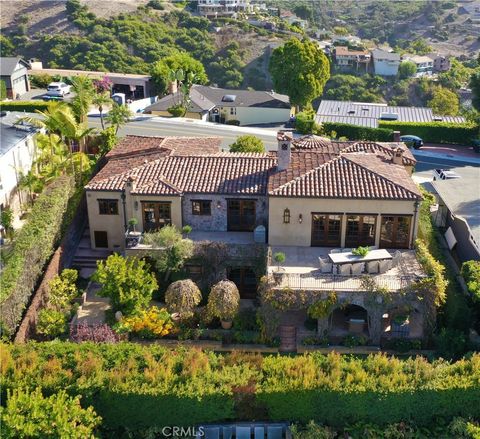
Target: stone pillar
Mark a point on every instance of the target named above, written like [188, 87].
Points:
[323, 326]
[375, 327]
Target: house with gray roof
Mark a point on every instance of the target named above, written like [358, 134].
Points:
[13, 71]
[246, 107]
[368, 114]
[385, 63]
[459, 212]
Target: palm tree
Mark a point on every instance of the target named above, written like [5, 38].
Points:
[99, 100]
[84, 93]
[118, 116]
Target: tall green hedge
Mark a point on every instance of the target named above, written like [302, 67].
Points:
[436, 132]
[137, 386]
[28, 106]
[355, 132]
[33, 246]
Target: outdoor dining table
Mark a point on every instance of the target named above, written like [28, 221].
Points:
[349, 257]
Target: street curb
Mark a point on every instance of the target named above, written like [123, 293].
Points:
[467, 160]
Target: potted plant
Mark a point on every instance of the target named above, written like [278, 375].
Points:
[279, 258]
[224, 302]
[361, 251]
[132, 222]
[133, 236]
[186, 230]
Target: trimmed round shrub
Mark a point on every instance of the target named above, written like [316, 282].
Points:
[224, 300]
[177, 111]
[182, 296]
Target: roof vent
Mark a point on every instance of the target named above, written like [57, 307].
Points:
[389, 116]
[351, 111]
[229, 98]
[437, 118]
[365, 109]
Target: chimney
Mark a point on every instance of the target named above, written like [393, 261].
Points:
[398, 156]
[172, 87]
[284, 152]
[396, 136]
[130, 184]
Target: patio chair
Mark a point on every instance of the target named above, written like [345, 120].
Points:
[228, 432]
[274, 432]
[325, 265]
[259, 432]
[346, 250]
[372, 267]
[384, 266]
[357, 269]
[345, 269]
[212, 433]
[242, 433]
[336, 250]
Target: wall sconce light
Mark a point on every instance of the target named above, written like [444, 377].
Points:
[300, 218]
[286, 216]
[135, 205]
[219, 204]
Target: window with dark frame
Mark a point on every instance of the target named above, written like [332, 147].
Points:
[201, 207]
[360, 230]
[108, 207]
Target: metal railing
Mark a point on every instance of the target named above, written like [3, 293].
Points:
[334, 282]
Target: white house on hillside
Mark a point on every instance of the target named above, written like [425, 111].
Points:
[385, 63]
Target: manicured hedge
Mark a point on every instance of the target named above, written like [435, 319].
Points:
[436, 132]
[138, 386]
[33, 246]
[28, 106]
[355, 132]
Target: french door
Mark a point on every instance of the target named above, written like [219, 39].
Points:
[326, 230]
[241, 215]
[395, 231]
[156, 215]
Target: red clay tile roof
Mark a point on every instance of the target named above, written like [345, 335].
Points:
[223, 173]
[172, 166]
[134, 145]
[311, 142]
[347, 176]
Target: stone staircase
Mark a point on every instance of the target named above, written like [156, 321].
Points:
[86, 257]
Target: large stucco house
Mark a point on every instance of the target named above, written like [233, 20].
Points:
[309, 196]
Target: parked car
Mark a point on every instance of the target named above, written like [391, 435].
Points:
[58, 89]
[412, 141]
[444, 174]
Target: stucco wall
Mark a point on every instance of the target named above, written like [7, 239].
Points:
[217, 221]
[296, 233]
[386, 68]
[256, 115]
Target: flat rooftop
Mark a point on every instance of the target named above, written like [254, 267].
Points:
[66, 72]
[462, 197]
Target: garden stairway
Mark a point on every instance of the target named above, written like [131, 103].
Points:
[85, 257]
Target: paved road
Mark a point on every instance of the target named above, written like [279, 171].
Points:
[164, 127]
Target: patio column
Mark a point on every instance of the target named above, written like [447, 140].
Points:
[343, 231]
[375, 316]
[322, 325]
[378, 230]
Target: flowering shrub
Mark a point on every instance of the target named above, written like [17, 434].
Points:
[96, 333]
[149, 323]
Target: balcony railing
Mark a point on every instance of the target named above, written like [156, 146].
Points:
[333, 282]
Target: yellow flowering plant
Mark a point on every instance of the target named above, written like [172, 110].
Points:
[153, 322]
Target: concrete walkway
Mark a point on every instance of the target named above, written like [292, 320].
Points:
[92, 312]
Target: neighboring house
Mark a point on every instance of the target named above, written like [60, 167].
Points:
[471, 10]
[351, 40]
[13, 71]
[367, 114]
[223, 8]
[17, 152]
[424, 64]
[346, 58]
[385, 63]
[293, 19]
[441, 63]
[310, 195]
[223, 105]
[459, 211]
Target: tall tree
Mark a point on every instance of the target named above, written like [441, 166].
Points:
[179, 61]
[299, 69]
[247, 143]
[475, 86]
[444, 102]
[118, 116]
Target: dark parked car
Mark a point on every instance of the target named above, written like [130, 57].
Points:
[412, 141]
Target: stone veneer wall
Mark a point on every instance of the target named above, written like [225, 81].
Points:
[217, 221]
